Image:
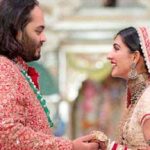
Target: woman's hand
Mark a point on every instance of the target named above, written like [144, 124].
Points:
[101, 139]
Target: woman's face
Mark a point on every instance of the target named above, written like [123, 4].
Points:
[120, 59]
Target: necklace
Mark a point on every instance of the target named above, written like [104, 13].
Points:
[136, 88]
[39, 96]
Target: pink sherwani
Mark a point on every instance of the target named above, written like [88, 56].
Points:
[23, 123]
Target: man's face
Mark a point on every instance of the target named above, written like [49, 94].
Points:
[33, 37]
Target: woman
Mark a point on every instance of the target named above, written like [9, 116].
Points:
[130, 60]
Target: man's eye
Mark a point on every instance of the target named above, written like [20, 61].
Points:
[38, 31]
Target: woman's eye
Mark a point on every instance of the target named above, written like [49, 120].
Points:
[116, 48]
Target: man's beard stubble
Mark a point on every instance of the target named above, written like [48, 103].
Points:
[29, 48]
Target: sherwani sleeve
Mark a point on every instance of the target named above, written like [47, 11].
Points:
[14, 133]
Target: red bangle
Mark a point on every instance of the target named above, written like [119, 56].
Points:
[125, 148]
[115, 146]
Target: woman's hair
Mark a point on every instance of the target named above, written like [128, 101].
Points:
[131, 39]
[14, 16]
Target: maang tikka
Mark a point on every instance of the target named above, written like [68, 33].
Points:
[133, 73]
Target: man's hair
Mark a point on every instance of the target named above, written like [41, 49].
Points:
[14, 16]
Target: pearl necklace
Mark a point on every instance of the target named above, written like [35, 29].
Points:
[39, 96]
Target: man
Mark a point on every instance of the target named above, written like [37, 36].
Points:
[24, 117]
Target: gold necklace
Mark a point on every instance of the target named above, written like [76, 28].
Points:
[136, 88]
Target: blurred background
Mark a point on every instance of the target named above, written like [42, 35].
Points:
[75, 74]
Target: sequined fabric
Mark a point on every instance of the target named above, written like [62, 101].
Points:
[131, 128]
[23, 123]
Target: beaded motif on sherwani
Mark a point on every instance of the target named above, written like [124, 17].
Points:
[23, 123]
[131, 133]
[24, 69]
[39, 96]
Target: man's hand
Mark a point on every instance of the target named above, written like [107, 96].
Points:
[84, 143]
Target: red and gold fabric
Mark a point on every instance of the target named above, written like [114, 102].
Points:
[23, 122]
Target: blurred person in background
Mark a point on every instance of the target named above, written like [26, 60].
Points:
[109, 3]
[130, 60]
[24, 117]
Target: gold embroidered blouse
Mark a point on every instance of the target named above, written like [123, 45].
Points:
[139, 110]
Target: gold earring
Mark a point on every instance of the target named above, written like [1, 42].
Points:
[133, 73]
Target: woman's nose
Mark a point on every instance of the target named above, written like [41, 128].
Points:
[109, 56]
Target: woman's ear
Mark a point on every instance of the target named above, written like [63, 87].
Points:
[136, 57]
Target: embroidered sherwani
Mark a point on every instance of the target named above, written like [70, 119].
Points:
[23, 122]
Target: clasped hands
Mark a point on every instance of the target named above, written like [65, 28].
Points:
[96, 140]
[100, 138]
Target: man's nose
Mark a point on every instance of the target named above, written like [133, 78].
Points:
[43, 37]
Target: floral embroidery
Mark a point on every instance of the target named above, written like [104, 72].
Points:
[23, 123]
[131, 133]
[39, 96]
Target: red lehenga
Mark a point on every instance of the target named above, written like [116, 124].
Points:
[23, 122]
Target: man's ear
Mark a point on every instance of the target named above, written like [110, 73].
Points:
[136, 57]
[19, 36]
